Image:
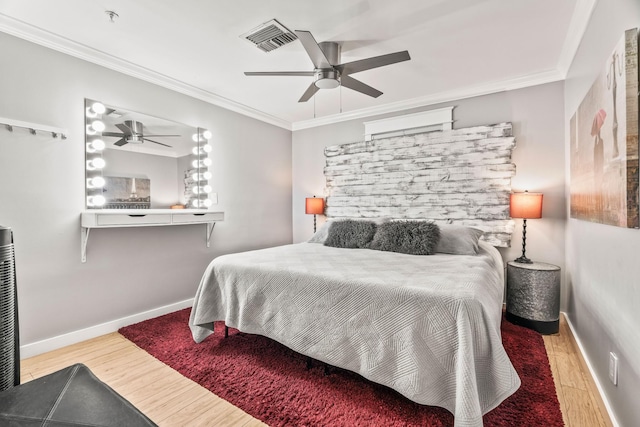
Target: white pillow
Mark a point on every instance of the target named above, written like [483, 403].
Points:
[321, 235]
[458, 240]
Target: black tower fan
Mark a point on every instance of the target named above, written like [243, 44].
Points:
[9, 336]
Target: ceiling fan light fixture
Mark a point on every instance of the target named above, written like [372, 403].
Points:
[327, 79]
[329, 72]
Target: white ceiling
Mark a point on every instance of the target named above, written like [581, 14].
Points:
[458, 48]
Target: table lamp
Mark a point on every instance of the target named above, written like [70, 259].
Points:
[526, 206]
[315, 206]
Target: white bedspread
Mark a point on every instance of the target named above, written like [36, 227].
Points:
[426, 326]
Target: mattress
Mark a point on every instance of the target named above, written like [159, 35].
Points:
[426, 326]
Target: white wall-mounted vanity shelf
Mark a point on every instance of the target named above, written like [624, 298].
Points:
[116, 218]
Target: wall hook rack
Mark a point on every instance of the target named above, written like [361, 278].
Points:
[33, 128]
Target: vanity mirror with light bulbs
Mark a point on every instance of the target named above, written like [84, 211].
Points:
[142, 170]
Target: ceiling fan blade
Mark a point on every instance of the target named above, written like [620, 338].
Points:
[156, 142]
[145, 135]
[116, 134]
[358, 86]
[124, 128]
[120, 142]
[374, 62]
[279, 73]
[311, 90]
[316, 54]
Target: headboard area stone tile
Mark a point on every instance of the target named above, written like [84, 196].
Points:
[459, 176]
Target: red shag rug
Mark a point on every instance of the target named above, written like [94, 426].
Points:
[272, 383]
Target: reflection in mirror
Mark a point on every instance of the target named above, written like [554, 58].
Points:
[136, 161]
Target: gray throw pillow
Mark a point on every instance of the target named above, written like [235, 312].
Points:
[350, 234]
[408, 237]
[458, 240]
[321, 235]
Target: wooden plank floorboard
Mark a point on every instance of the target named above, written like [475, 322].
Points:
[170, 399]
[574, 384]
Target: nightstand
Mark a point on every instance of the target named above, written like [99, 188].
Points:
[533, 296]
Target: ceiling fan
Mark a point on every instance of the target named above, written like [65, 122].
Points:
[329, 73]
[133, 132]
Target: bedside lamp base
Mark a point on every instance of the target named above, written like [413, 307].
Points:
[523, 259]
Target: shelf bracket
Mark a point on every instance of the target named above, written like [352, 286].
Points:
[84, 239]
[210, 227]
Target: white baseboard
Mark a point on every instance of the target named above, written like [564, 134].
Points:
[49, 344]
[607, 405]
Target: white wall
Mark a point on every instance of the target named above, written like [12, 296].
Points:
[536, 114]
[131, 270]
[603, 272]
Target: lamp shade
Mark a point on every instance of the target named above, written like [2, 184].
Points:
[314, 205]
[526, 205]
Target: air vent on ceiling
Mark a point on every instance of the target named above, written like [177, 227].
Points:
[270, 36]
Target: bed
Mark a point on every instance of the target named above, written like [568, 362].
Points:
[426, 326]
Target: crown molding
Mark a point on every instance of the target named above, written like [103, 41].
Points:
[448, 96]
[579, 21]
[577, 27]
[47, 39]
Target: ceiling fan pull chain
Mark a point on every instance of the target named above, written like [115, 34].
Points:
[340, 99]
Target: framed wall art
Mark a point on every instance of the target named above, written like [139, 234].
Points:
[127, 193]
[604, 142]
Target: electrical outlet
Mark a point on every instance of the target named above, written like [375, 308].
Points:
[613, 368]
[214, 198]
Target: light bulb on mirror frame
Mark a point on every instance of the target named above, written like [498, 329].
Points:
[205, 203]
[97, 163]
[206, 148]
[197, 189]
[98, 125]
[201, 163]
[95, 145]
[95, 109]
[97, 200]
[205, 176]
[197, 137]
[96, 182]
[98, 107]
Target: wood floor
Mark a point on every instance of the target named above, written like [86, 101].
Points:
[580, 401]
[170, 399]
